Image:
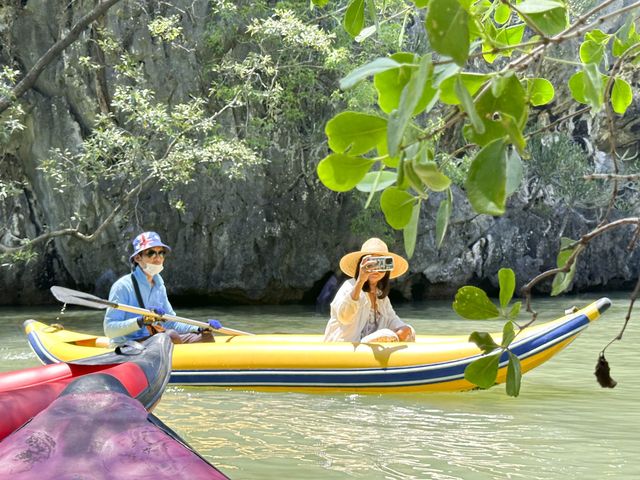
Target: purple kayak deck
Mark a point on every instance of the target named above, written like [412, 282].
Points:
[98, 435]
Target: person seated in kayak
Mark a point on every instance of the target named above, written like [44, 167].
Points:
[144, 287]
[361, 310]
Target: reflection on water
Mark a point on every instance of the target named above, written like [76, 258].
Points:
[562, 426]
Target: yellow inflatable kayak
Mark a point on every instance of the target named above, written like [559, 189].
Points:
[306, 363]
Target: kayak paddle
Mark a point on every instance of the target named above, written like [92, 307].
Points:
[66, 295]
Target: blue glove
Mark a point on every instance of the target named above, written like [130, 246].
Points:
[215, 324]
[158, 310]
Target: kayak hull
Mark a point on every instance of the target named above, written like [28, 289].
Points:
[144, 373]
[306, 363]
[94, 429]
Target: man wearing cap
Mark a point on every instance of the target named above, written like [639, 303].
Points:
[144, 287]
[361, 310]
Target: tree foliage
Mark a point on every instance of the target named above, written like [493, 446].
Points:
[481, 75]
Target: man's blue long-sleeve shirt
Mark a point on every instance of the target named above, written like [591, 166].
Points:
[121, 326]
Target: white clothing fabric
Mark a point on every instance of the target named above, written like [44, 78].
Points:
[349, 317]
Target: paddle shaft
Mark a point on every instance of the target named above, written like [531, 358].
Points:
[67, 295]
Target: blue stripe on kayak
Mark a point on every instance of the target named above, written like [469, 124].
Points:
[377, 377]
[40, 350]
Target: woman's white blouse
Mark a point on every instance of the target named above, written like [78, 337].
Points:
[349, 316]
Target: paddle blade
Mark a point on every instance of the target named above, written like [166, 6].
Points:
[66, 295]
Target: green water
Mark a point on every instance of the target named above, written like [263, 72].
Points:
[563, 426]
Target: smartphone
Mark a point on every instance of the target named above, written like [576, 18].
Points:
[382, 264]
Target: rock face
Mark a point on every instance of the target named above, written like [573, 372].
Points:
[275, 237]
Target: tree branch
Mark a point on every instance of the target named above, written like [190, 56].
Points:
[32, 76]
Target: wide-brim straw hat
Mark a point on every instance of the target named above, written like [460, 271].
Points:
[373, 246]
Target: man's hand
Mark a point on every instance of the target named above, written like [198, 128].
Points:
[215, 324]
[159, 310]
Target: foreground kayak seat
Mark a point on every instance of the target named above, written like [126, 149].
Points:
[292, 362]
[143, 370]
[95, 430]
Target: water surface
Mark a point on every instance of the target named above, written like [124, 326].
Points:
[563, 425]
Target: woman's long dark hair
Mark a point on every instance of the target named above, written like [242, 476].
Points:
[383, 283]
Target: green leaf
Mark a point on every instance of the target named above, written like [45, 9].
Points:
[540, 91]
[598, 36]
[421, 3]
[549, 16]
[473, 303]
[594, 85]
[515, 172]
[431, 176]
[320, 3]
[621, 96]
[514, 376]
[591, 52]
[375, 67]
[515, 310]
[442, 218]
[515, 134]
[508, 334]
[490, 108]
[484, 341]
[626, 37]
[584, 90]
[341, 173]
[562, 280]
[355, 133]
[448, 29]
[507, 282]
[376, 181]
[503, 37]
[390, 84]
[354, 17]
[410, 231]
[409, 99]
[502, 13]
[397, 206]
[487, 178]
[468, 106]
[483, 372]
[471, 81]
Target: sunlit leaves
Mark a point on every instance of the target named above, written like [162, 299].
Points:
[376, 66]
[410, 231]
[354, 17]
[486, 180]
[409, 99]
[447, 25]
[540, 91]
[587, 86]
[397, 206]
[507, 280]
[430, 175]
[562, 280]
[510, 101]
[547, 16]
[442, 218]
[391, 83]
[355, 133]
[514, 376]
[341, 173]
[473, 303]
[621, 96]
[483, 372]
[376, 181]
[467, 104]
[484, 341]
[471, 81]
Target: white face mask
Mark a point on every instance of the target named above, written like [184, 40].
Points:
[152, 269]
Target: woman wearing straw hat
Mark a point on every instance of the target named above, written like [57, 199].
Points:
[361, 310]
